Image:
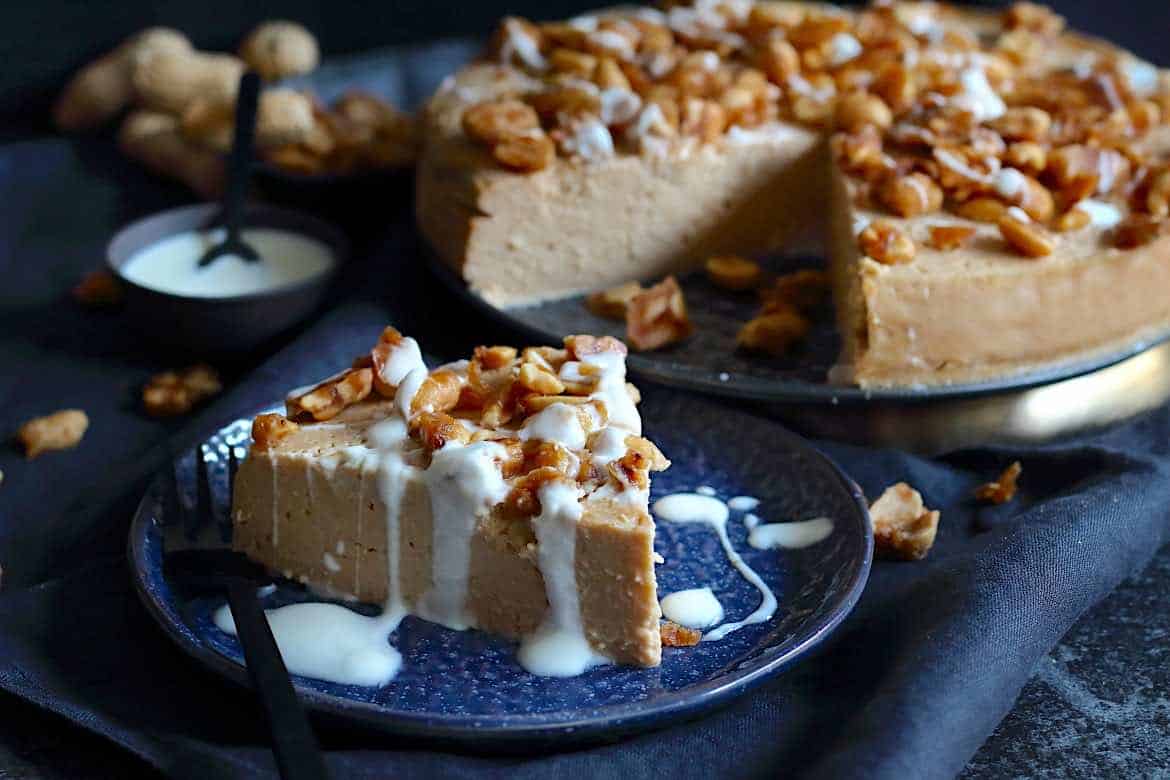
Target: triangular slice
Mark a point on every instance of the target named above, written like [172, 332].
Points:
[507, 492]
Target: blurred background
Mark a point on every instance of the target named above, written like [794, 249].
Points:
[42, 43]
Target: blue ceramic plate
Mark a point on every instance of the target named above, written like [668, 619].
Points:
[467, 685]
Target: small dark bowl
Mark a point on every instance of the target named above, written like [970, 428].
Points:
[221, 325]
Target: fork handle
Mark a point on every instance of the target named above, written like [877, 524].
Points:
[298, 756]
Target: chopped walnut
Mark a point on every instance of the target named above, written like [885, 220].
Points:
[903, 527]
[326, 400]
[98, 289]
[858, 109]
[948, 237]
[887, 243]
[581, 346]
[774, 332]
[733, 273]
[439, 392]
[1003, 489]
[1033, 17]
[674, 635]
[435, 429]
[540, 380]
[1025, 236]
[174, 393]
[658, 316]
[982, 210]
[634, 467]
[268, 429]
[1073, 219]
[613, 302]
[58, 431]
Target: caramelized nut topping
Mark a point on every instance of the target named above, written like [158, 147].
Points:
[912, 195]
[733, 273]
[948, 237]
[435, 429]
[1003, 489]
[525, 153]
[1073, 219]
[886, 243]
[1026, 237]
[58, 431]
[582, 346]
[328, 399]
[268, 429]
[498, 121]
[492, 358]
[1139, 230]
[982, 210]
[540, 380]
[858, 109]
[903, 527]
[658, 317]
[439, 392]
[178, 392]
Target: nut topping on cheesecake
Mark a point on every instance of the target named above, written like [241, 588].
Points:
[927, 112]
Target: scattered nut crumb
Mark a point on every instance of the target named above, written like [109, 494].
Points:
[98, 289]
[674, 635]
[1002, 489]
[173, 393]
[658, 316]
[733, 273]
[268, 429]
[903, 528]
[58, 431]
[612, 303]
[774, 332]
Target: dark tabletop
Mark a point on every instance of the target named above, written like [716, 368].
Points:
[1097, 706]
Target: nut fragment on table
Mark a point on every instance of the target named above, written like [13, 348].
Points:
[173, 393]
[1003, 489]
[774, 333]
[612, 303]
[674, 635]
[903, 528]
[98, 289]
[803, 290]
[732, 272]
[58, 431]
[658, 316]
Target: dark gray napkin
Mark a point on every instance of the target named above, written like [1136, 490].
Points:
[909, 686]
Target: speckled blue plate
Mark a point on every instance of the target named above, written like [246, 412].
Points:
[468, 686]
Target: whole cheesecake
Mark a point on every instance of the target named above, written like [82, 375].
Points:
[991, 191]
[507, 492]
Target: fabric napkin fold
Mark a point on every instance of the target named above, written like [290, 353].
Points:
[910, 686]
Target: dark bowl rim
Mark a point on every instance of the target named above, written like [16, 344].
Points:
[618, 722]
[319, 229]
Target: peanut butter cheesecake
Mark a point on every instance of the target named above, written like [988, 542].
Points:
[507, 492]
[992, 190]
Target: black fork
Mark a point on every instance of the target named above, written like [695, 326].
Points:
[198, 556]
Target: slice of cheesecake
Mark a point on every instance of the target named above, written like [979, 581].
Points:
[507, 492]
[992, 190]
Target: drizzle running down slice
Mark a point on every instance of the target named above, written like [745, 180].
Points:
[507, 492]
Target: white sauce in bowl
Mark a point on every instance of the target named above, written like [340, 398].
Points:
[171, 265]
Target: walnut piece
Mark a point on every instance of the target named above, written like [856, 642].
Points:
[494, 122]
[58, 431]
[733, 273]
[674, 635]
[903, 528]
[612, 303]
[268, 429]
[802, 290]
[1025, 236]
[98, 289]
[1003, 489]
[173, 393]
[658, 316]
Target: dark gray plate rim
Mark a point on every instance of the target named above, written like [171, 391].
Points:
[661, 370]
[617, 721]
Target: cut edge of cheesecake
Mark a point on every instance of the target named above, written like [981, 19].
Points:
[578, 226]
[464, 497]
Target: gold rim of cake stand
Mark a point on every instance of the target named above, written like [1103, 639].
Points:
[1063, 408]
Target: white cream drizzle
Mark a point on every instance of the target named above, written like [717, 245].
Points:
[559, 647]
[558, 422]
[743, 503]
[1101, 214]
[791, 536]
[694, 608]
